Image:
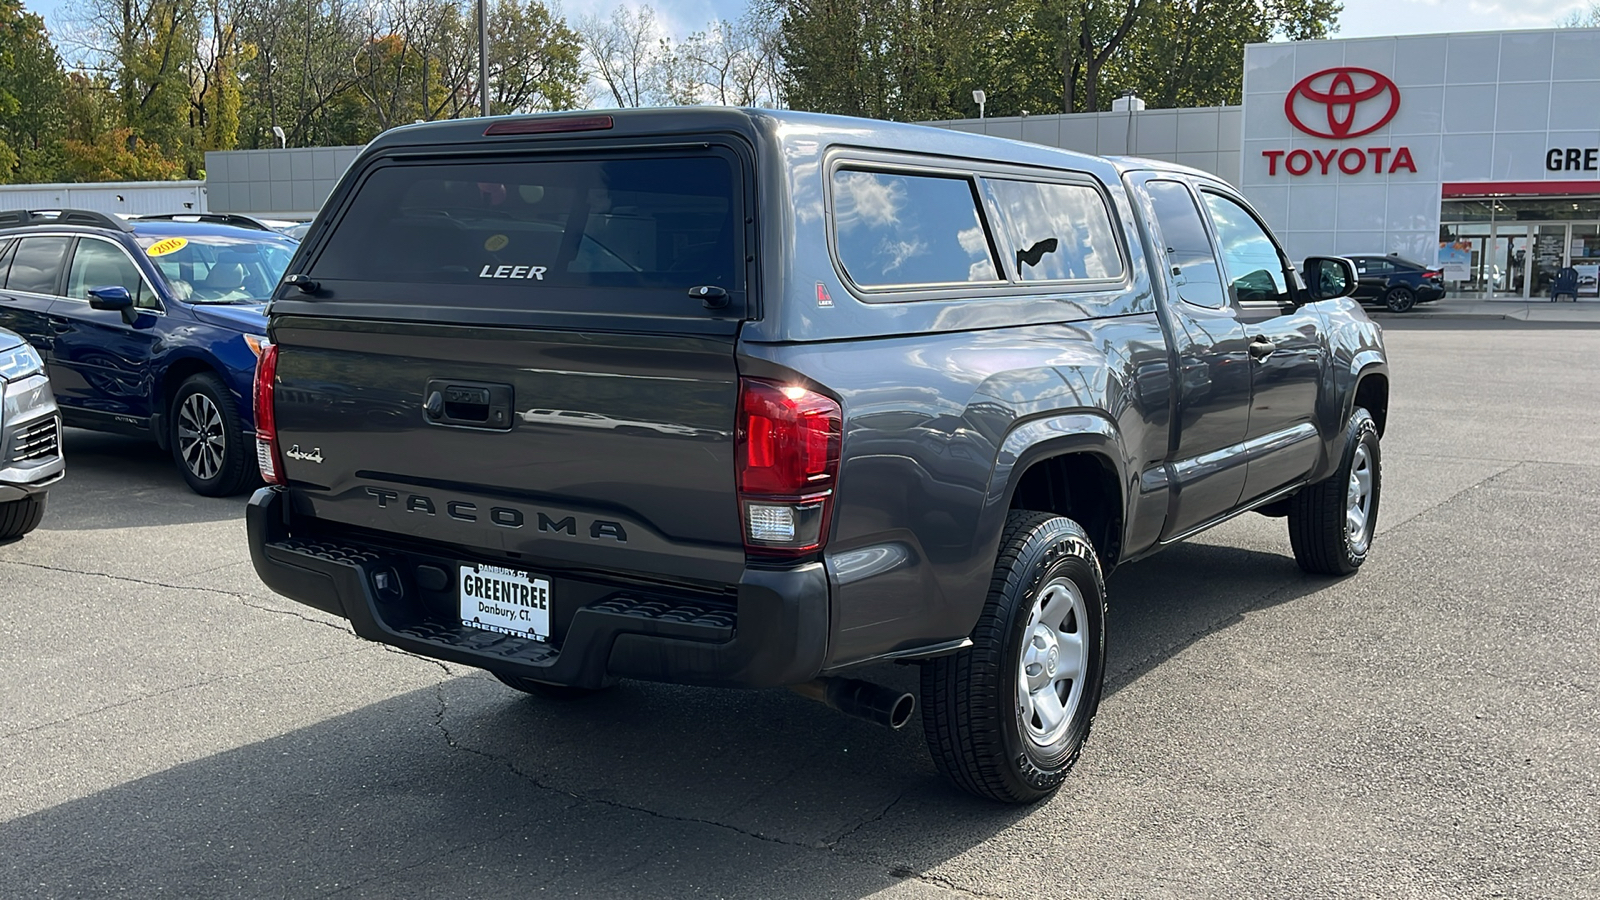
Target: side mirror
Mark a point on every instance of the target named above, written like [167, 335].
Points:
[111, 299]
[1328, 277]
[114, 299]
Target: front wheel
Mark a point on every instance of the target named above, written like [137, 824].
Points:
[18, 517]
[1331, 522]
[208, 438]
[1400, 299]
[1006, 718]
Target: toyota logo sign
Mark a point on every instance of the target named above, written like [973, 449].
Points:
[1342, 102]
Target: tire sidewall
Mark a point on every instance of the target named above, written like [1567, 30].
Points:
[1362, 430]
[1056, 548]
[230, 478]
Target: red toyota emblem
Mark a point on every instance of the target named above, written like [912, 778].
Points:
[1341, 97]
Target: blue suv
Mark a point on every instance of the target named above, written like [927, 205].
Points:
[147, 327]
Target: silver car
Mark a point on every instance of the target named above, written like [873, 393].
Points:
[30, 437]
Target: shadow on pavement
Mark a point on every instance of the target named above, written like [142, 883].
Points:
[114, 481]
[468, 789]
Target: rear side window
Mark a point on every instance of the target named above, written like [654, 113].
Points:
[36, 264]
[897, 229]
[1056, 232]
[1194, 263]
[527, 227]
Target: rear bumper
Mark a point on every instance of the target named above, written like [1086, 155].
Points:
[772, 630]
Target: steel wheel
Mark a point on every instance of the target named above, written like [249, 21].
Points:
[1054, 658]
[202, 439]
[1358, 499]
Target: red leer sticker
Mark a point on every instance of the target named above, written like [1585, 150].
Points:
[823, 299]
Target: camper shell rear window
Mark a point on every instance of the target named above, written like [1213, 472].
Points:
[618, 234]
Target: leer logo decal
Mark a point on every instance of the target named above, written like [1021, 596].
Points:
[1342, 102]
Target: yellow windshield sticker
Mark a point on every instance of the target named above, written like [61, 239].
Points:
[496, 243]
[167, 245]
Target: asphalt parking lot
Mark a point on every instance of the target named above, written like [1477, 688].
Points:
[1427, 728]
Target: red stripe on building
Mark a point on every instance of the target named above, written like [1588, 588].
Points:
[1519, 188]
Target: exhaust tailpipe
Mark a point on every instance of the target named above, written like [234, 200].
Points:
[861, 699]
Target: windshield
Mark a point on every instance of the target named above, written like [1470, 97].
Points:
[219, 268]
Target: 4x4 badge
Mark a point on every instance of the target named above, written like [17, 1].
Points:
[314, 456]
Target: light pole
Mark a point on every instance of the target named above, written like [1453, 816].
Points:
[483, 54]
[979, 97]
[283, 140]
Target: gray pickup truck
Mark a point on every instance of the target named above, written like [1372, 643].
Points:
[754, 399]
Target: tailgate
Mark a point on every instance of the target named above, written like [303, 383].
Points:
[513, 352]
[608, 450]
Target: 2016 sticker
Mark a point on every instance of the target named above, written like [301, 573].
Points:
[167, 245]
[496, 243]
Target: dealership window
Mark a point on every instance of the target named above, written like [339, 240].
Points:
[1516, 246]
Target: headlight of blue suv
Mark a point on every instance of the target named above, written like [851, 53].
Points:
[19, 362]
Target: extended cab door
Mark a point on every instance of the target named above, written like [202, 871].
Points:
[102, 363]
[1285, 347]
[1207, 459]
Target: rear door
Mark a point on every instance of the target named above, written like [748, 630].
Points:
[528, 358]
[30, 277]
[1213, 378]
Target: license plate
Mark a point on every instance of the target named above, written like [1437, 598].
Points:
[505, 601]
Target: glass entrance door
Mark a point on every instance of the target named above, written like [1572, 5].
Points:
[1548, 256]
[1584, 248]
[1515, 261]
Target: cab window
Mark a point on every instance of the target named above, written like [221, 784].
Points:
[1251, 260]
[97, 264]
[1183, 232]
[36, 264]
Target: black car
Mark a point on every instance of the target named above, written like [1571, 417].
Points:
[1395, 283]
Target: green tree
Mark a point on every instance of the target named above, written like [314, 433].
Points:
[32, 85]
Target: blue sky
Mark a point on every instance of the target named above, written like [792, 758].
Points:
[1361, 18]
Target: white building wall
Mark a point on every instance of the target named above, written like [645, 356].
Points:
[133, 198]
[1472, 108]
[1206, 138]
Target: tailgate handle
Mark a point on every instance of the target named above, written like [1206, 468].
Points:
[467, 404]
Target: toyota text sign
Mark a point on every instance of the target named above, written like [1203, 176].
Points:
[1340, 104]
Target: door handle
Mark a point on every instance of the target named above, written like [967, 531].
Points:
[1261, 348]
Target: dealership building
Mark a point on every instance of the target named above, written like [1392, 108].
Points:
[1476, 152]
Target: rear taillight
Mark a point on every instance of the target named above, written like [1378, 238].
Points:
[788, 448]
[1432, 276]
[267, 456]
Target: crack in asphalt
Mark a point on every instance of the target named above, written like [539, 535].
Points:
[241, 598]
[906, 872]
[173, 690]
[451, 741]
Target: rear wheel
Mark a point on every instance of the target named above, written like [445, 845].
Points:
[18, 517]
[1400, 299]
[1006, 718]
[207, 438]
[546, 690]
